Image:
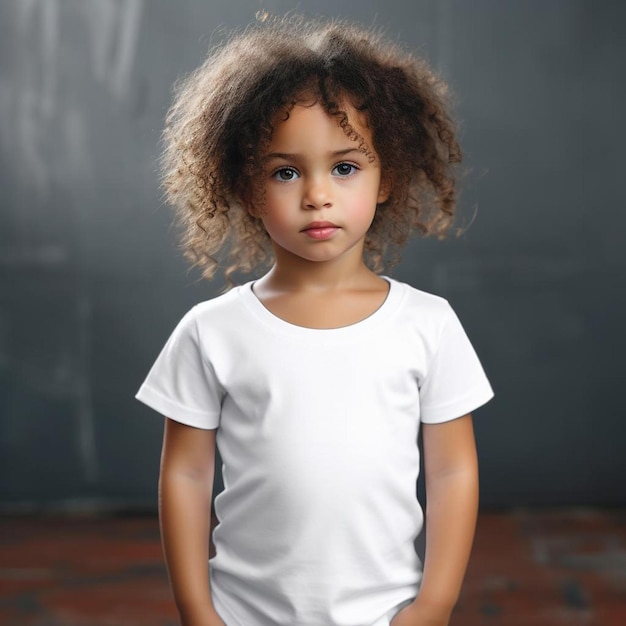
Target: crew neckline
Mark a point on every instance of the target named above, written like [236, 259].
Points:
[387, 307]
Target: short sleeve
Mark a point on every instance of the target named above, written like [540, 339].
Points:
[181, 385]
[455, 383]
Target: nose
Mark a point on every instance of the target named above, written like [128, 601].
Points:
[317, 195]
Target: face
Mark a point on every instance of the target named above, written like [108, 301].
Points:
[320, 189]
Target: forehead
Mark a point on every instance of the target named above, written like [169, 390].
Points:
[308, 124]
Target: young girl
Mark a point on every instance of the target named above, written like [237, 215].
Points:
[317, 148]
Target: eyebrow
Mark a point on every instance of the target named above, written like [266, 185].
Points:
[295, 156]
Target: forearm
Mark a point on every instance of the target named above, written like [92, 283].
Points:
[451, 470]
[184, 507]
[452, 505]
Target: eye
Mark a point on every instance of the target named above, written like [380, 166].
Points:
[344, 169]
[285, 174]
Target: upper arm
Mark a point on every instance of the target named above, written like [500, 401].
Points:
[188, 450]
[449, 447]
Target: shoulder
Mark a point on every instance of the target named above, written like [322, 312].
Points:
[211, 326]
[218, 307]
[423, 317]
[224, 319]
[421, 306]
[417, 297]
[209, 314]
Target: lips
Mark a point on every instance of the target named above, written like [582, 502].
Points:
[320, 230]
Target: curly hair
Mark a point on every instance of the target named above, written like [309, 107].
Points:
[223, 114]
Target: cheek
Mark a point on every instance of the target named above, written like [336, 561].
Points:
[364, 201]
[274, 221]
[277, 196]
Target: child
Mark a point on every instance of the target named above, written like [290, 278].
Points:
[317, 148]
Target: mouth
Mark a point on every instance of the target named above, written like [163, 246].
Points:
[320, 230]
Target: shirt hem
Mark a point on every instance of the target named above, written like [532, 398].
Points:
[458, 409]
[175, 411]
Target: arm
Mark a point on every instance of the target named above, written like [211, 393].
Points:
[185, 491]
[451, 471]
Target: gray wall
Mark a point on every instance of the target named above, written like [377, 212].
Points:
[91, 283]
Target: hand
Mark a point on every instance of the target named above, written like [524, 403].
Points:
[416, 614]
[215, 620]
[207, 618]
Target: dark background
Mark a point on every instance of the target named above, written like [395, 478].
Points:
[91, 281]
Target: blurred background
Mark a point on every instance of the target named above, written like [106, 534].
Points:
[92, 281]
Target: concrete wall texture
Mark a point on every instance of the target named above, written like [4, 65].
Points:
[92, 283]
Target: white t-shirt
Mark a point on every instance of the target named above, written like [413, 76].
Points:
[317, 430]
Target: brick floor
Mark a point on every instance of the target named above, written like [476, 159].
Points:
[547, 569]
[528, 569]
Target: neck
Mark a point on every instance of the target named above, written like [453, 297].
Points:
[297, 274]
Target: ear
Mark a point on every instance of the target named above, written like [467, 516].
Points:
[384, 190]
